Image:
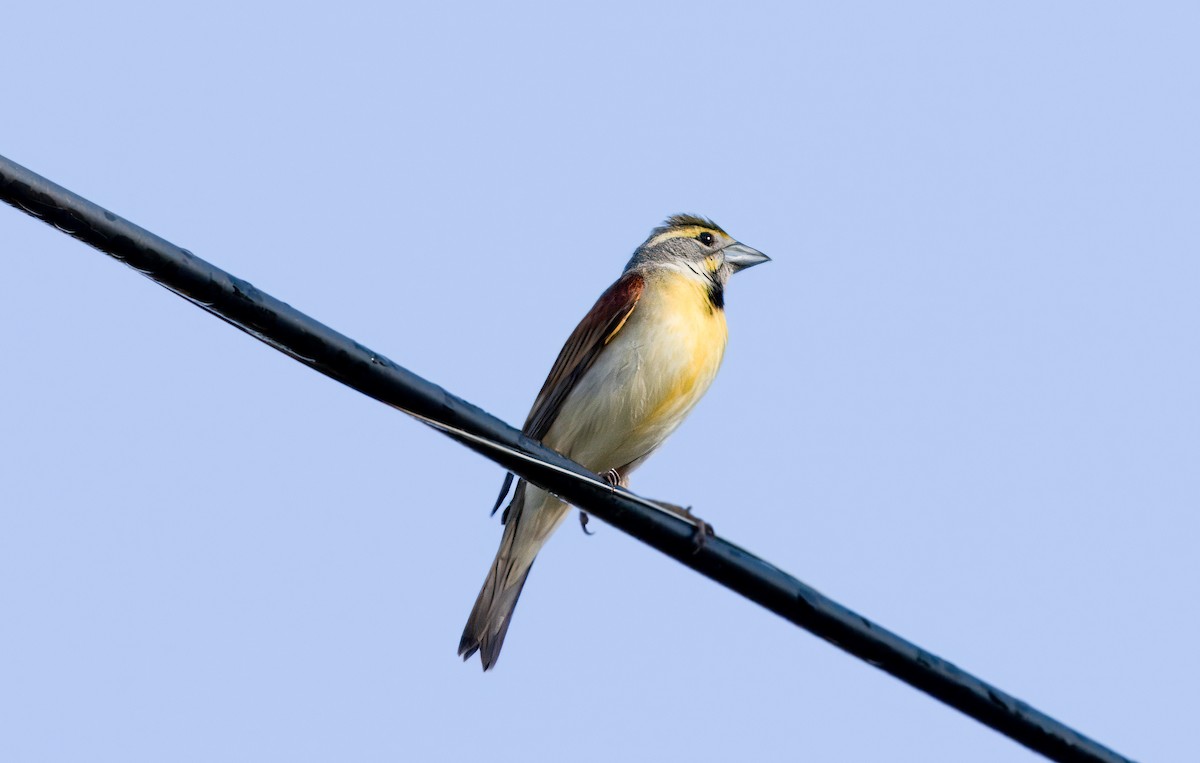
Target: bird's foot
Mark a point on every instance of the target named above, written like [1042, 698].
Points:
[613, 478]
[703, 531]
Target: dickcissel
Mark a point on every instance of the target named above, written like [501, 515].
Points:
[628, 375]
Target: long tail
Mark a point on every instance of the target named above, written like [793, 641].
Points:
[526, 527]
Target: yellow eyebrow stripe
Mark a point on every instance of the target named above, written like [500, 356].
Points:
[690, 231]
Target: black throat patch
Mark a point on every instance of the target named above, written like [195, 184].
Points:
[716, 295]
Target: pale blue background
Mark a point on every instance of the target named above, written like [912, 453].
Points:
[962, 400]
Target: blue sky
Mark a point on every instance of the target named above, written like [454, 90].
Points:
[961, 400]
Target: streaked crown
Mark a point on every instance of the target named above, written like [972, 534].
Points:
[685, 226]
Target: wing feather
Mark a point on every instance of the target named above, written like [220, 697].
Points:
[597, 329]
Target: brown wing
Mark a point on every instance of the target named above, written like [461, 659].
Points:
[596, 330]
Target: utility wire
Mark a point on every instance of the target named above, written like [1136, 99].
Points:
[339, 357]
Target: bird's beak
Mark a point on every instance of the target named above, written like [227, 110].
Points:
[739, 256]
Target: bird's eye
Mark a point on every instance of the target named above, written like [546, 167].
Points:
[706, 238]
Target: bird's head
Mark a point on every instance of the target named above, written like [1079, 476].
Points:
[696, 246]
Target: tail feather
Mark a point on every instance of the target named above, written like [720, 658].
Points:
[527, 524]
[492, 613]
[489, 620]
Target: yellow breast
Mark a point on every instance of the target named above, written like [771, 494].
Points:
[688, 341]
[647, 379]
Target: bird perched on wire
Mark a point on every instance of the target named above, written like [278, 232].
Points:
[626, 378]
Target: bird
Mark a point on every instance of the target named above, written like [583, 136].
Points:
[626, 378]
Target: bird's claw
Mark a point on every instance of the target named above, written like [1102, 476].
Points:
[613, 478]
[703, 531]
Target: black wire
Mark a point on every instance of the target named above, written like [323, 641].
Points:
[320, 347]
